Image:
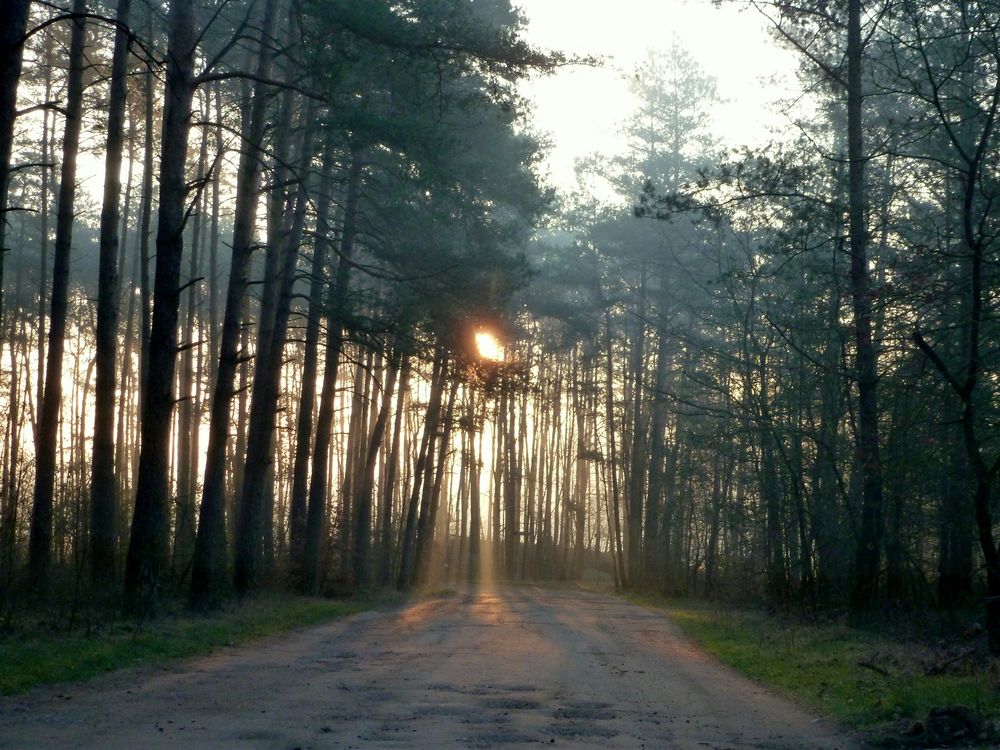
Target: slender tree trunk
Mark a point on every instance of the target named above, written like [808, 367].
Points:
[208, 569]
[475, 520]
[145, 222]
[102, 482]
[356, 440]
[511, 485]
[316, 512]
[777, 583]
[187, 418]
[280, 200]
[420, 472]
[866, 561]
[652, 557]
[124, 385]
[615, 521]
[363, 504]
[389, 483]
[720, 464]
[251, 520]
[832, 559]
[213, 240]
[43, 249]
[125, 392]
[425, 535]
[13, 22]
[304, 425]
[40, 543]
[637, 459]
[147, 543]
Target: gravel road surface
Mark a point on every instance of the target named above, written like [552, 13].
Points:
[514, 666]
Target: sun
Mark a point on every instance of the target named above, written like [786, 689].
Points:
[489, 346]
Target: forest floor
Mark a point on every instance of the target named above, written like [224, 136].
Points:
[485, 667]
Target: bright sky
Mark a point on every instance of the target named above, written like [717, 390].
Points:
[580, 108]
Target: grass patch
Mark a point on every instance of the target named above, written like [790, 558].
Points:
[35, 658]
[861, 679]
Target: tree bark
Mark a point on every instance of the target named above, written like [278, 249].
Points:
[615, 520]
[187, 412]
[866, 560]
[145, 222]
[40, 542]
[363, 502]
[316, 513]
[425, 531]
[102, 481]
[420, 472]
[637, 459]
[208, 569]
[475, 512]
[652, 557]
[13, 22]
[147, 543]
[307, 401]
[251, 520]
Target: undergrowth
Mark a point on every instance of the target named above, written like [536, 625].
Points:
[860, 677]
[38, 653]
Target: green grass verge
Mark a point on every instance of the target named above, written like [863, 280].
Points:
[822, 665]
[27, 660]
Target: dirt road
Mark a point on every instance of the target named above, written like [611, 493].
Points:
[508, 666]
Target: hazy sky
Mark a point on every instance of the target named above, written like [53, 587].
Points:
[580, 107]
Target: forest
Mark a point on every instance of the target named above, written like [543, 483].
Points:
[288, 303]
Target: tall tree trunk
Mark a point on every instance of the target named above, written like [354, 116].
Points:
[40, 543]
[425, 533]
[475, 520]
[187, 411]
[615, 520]
[251, 520]
[363, 504]
[511, 488]
[866, 561]
[652, 557]
[957, 521]
[832, 559]
[102, 481]
[126, 387]
[304, 424]
[13, 22]
[770, 493]
[213, 240]
[145, 221]
[637, 459]
[43, 249]
[147, 542]
[389, 481]
[316, 512]
[357, 433]
[208, 568]
[420, 471]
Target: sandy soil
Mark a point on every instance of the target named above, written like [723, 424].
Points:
[506, 666]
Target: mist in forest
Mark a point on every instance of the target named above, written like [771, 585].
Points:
[336, 297]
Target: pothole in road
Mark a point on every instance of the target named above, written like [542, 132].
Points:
[497, 690]
[492, 739]
[582, 729]
[516, 704]
[585, 710]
